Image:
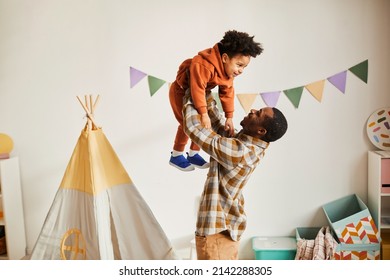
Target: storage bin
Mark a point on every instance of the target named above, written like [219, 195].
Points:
[386, 251]
[308, 233]
[385, 171]
[343, 251]
[351, 221]
[274, 248]
[357, 251]
[315, 243]
[386, 245]
[385, 175]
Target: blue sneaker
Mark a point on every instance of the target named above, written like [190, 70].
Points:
[198, 161]
[181, 163]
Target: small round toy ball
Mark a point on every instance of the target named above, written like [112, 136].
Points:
[378, 128]
[6, 144]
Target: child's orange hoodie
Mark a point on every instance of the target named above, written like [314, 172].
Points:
[206, 72]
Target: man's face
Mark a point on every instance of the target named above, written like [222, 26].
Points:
[252, 124]
[235, 66]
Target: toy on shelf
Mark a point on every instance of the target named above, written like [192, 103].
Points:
[6, 145]
[378, 128]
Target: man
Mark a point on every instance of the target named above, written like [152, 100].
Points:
[221, 216]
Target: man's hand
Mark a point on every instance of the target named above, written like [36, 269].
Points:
[205, 120]
[229, 127]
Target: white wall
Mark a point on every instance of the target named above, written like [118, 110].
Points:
[51, 51]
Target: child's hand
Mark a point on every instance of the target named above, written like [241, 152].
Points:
[205, 120]
[229, 126]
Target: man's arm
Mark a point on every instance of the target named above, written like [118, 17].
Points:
[217, 119]
[227, 151]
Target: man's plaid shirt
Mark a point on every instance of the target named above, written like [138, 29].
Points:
[232, 160]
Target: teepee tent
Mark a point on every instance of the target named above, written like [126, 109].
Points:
[97, 212]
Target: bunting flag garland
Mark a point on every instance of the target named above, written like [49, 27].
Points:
[271, 98]
[246, 100]
[316, 89]
[294, 95]
[339, 80]
[154, 84]
[360, 70]
[136, 76]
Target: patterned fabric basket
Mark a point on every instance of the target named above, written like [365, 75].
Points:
[351, 220]
[357, 234]
[310, 245]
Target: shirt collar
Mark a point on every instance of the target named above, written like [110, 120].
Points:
[253, 140]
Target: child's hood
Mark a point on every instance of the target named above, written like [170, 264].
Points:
[213, 56]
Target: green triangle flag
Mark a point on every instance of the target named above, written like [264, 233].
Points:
[218, 100]
[294, 95]
[154, 84]
[361, 70]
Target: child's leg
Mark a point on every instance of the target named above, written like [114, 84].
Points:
[177, 159]
[194, 147]
[176, 95]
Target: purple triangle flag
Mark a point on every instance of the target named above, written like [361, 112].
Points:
[136, 76]
[270, 98]
[339, 80]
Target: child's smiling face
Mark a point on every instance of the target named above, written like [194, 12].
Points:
[235, 66]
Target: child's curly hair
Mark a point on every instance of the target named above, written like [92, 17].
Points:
[235, 42]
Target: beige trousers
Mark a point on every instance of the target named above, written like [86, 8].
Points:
[216, 247]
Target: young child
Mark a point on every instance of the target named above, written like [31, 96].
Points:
[216, 66]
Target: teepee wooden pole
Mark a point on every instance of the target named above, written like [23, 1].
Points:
[89, 115]
[93, 106]
[96, 102]
[90, 107]
[89, 110]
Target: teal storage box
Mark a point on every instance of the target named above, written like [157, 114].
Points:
[274, 248]
[351, 221]
[308, 233]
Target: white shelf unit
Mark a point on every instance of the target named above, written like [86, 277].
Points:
[378, 195]
[11, 203]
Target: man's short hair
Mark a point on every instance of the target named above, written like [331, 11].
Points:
[276, 127]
